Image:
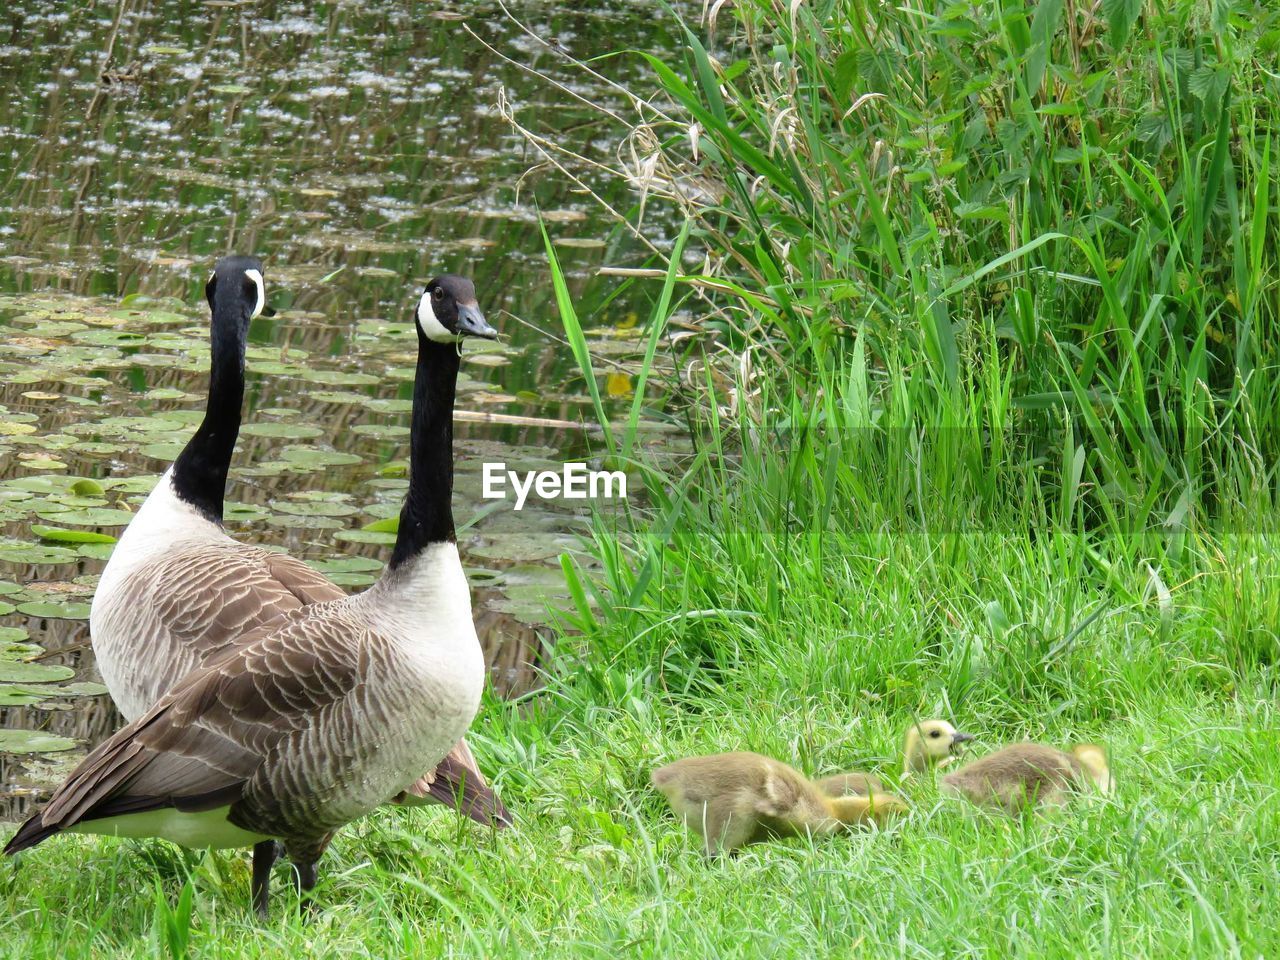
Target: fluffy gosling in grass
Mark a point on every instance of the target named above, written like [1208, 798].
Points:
[1014, 778]
[1031, 775]
[731, 799]
[929, 744]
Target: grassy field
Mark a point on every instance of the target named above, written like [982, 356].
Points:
[1182, 862]
[986, 422]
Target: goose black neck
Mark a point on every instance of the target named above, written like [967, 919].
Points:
[200, 472]
[427, 515]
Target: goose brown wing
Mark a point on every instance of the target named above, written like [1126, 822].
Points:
[222, 725]
[207, 599]
[305, 583]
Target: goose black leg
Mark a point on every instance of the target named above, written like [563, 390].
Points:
[264, 858]
[305, 875]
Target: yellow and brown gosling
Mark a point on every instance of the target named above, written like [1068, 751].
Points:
[852, 784]
[731, 799]
[929, 744]
[1031, 775]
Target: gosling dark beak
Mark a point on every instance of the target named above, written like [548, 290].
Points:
[472, 322]
[267, 311]
[959, 737]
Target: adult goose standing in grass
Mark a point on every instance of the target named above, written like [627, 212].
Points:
[331, 708]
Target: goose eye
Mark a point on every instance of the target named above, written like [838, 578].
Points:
[934, 734]
[438, 293]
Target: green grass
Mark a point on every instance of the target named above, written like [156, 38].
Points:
[985, 425]
[824, 674]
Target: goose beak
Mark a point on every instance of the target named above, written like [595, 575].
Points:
[959, 737]
[472, 322]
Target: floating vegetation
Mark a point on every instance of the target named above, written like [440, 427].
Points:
[32, 741]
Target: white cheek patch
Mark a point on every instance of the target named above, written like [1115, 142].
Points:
[433, 328]
[256, 277]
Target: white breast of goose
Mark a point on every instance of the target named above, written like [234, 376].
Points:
[121, 618]
[163, 521]
[429, 689]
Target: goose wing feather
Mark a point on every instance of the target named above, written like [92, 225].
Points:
[305, 583]
[208, 598]
[457, 782]
[224, 728]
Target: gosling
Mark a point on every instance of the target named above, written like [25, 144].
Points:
[732, 799]
[1028, 776]
[929, 745]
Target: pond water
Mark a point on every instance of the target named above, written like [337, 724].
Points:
[359, 152]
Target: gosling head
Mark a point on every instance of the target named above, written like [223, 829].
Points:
[930, 743]
[236, 291]
[449, 311]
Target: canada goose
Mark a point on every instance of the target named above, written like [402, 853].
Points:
[1030, 775]
[931, 745]
[305, 723]
[178, 590]
[927, 744]
[730, 799]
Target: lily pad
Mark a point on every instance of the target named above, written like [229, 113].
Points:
[311, 457]
[20, 551]
[33, 741]
[288, 431]
[315, 508]
[19, 671]
[69, 610]
[347, 565]
[92, 516]
[243, 512]
[365, 536]
[21, 695]
[58, 534]
[162, 451]
[15, 696]
[523, 547]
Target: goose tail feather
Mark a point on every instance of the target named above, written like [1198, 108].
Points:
[29, 834]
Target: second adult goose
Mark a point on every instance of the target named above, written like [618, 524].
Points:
[312, 720]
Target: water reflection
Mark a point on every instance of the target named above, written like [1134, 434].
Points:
[345, 134]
